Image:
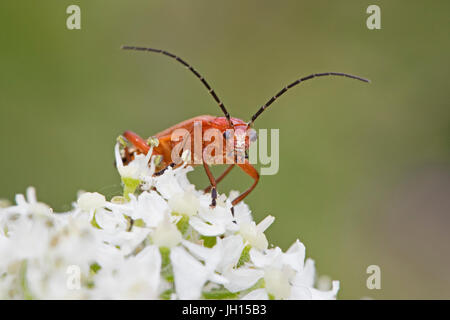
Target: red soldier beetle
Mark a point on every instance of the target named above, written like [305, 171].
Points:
[223, 124]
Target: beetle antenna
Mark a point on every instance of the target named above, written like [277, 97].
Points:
[293, 84]
[210, 90]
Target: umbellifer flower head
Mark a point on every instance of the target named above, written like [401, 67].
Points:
[160, 240]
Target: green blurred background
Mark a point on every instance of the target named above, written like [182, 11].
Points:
[364, 169]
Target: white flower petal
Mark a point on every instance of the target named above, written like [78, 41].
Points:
[307, 276]
[168, 185]
[206, 229]
[326, 295]
[295, 256]
[90, 201]
[138, 168]
[300, 293]
[266, 223]
[272, 257]
[258, 294]
[199, 251]
[232, 247]
[277, 283]
[111, 221]
[151, 208]
[216, 278]
[166, 234]
[185, 203]
[242, 278]
[189, 274]
[254, 237]
[31, 195]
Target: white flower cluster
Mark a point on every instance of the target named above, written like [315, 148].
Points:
[161, 240]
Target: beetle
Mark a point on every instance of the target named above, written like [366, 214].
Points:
[223, 124]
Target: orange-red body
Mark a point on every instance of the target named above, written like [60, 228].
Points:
[167, 144]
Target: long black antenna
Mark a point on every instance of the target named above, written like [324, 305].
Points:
[210, 90]
[293, 84]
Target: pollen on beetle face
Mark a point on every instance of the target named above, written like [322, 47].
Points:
[159, 239]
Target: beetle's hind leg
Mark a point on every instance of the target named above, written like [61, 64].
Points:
[253, 173]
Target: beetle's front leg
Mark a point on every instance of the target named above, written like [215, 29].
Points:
[213, 183]
[223, 175]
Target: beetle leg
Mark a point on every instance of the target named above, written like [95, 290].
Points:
[223, 175]
[137, 141]
[213, 183]
[172, 164]
[127, 156]
[252, 172]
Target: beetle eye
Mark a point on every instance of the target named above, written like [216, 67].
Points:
[252, 135]
[227, 134]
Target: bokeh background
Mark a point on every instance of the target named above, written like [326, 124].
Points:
[364, 169]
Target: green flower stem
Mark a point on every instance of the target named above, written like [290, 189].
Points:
[130, 186]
